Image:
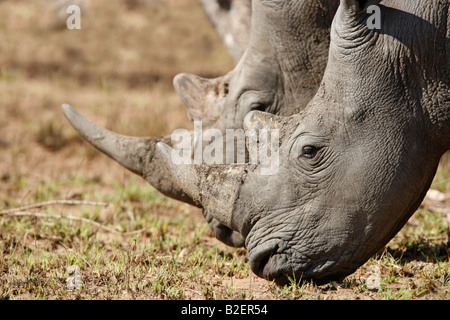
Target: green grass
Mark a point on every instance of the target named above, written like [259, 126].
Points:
[154, 247]
[164, 250]
[159, 261]
[172, 256]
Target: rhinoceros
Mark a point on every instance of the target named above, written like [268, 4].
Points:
[279, 73]
[356, 163]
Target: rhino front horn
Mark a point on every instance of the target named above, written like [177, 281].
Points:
[130, 152]
[214, 187]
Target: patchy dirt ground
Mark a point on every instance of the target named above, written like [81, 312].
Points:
[118, 71]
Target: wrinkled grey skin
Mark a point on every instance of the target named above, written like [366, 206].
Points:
[279, 73]
[357, 161]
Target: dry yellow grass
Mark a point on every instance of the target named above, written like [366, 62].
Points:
[118, 71]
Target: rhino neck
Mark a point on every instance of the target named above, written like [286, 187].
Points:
[440, 93]
[439, 113]
[296, 37]
[447, 50]
[432, 59]
[401, 74]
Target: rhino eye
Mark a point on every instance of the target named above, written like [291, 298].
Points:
[258, 107]
[309, 152]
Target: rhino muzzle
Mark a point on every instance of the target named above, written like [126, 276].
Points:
[215, 187]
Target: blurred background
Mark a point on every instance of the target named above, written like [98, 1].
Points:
[117, 70]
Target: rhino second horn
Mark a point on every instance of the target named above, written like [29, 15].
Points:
[214, 187]
[130, 152]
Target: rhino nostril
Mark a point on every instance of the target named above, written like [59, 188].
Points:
[262, 265]
[226, 89]
[260, 257]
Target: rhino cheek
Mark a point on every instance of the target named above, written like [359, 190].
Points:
[306, 242]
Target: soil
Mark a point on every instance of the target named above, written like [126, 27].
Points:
[117, 71]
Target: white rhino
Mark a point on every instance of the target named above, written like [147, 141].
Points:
[357, 162]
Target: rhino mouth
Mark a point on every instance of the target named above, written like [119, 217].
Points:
[260, 257]
[275, 261]
[268, 262]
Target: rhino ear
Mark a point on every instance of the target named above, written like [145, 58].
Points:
[204, 98]
[350, 24]
[352, 5]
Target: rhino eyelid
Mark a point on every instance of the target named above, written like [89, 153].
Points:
[258, 107]
[310, 151]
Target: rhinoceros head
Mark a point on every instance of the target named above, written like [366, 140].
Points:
[356, 162]
[284, 62]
